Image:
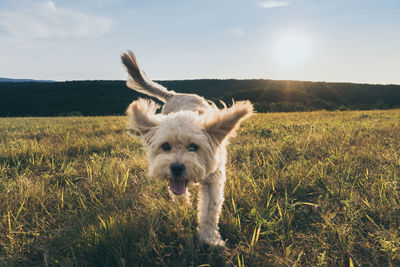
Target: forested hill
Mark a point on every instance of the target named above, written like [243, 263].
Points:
[112, 97]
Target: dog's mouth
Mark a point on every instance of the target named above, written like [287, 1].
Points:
[178, 187]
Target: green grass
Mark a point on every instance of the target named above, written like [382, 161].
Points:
[312, 189]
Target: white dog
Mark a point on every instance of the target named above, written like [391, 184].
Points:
[185, 143]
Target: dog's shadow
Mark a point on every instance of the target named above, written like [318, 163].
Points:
[156, 231]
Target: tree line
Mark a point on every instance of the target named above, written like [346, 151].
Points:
[97, 98]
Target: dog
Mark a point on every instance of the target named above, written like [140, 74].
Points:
[185, 143]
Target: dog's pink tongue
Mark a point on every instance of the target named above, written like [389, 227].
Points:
[178, 187]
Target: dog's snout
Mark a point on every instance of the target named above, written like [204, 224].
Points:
[177, 169]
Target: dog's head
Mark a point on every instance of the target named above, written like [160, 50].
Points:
[183, 147]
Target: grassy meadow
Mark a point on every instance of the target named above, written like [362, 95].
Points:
[304, 189]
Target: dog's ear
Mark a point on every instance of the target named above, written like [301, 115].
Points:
[142, 118]
[225, 122]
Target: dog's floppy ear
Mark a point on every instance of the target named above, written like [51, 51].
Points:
[225, 122]
[142, 116]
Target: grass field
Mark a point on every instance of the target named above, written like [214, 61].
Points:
[311, 189]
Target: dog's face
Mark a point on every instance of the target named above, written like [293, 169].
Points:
[180, 151]
[183, 147]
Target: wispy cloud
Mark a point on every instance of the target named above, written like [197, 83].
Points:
[44, 21]
[237, 31]
[271, 4]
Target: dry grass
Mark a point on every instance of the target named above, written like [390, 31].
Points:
[313, 189]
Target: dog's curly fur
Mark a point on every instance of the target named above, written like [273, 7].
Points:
[186, 143]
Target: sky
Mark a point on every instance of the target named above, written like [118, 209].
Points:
[311, 40]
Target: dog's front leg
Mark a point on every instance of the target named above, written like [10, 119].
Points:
[210, 204]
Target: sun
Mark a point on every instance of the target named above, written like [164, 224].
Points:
[291, 49]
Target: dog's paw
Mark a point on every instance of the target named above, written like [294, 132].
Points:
[210, 237]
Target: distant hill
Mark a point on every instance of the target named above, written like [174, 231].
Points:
[92, 98]
[23, 80]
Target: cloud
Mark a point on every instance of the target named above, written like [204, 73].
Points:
[271, 4]
[237, 31]
[44, 20]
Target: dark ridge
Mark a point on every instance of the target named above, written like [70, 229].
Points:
[98, 98]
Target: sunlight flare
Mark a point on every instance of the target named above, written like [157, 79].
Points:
[291, 49]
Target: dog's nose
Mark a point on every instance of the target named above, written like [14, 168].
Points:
[177, 169]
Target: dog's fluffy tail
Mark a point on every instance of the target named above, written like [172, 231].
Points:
[138, 80]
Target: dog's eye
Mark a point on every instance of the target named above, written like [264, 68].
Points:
[166, 147]
[193, 147]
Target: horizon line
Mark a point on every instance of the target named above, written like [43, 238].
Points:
[194, 79]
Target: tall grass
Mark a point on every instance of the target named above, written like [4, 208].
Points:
[313, 189]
